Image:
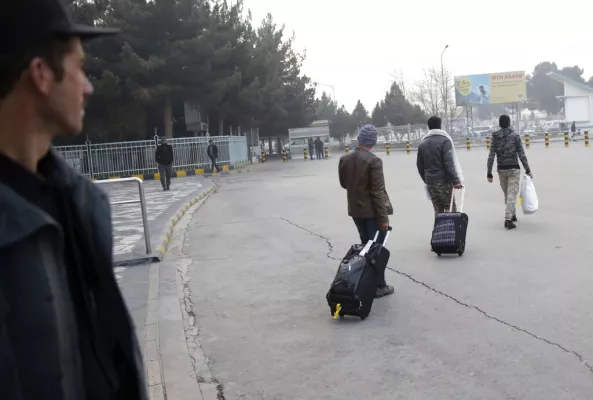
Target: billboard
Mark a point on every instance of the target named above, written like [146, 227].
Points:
[502, 87]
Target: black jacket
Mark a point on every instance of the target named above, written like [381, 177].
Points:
[212, 151]
[110, 359]
[164, 154]
[435, 161]
[508, 150]
[318, 145]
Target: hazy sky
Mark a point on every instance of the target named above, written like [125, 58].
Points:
[355, 45]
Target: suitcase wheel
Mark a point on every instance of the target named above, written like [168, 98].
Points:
[363, 318]
[341, 315]
[439, 254]
[460, 253]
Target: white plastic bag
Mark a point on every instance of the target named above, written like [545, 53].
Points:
[528, 199]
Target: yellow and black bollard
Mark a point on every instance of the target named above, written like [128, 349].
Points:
[346, 149]
[566, 139]
[263, 156]
[467, 144]
[408, 147]
[284, 156]
[527, 142]
[388, 148]
[488, 144]
[586, 138]
[547, 140]
[305, 152]
[326, 150]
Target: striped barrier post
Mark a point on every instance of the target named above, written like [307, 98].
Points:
[408, 147]
[305, 152]
[388, 148]
[263, 156]
[586, 138]
[488, 144]
[547, 140]
[566, 139]
[527, 142]
[468, 144]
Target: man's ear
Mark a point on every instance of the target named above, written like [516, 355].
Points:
[41, 75]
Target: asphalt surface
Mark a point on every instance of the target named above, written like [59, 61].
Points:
[511, 319]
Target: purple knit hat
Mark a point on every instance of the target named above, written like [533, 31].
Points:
[367, 136]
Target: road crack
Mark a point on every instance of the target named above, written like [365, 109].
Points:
[409, 277]
[329, 243]
[199, 361]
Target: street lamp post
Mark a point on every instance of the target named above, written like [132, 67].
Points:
[333, 91]
[445, 89]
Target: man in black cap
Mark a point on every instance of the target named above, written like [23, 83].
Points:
[65, 332]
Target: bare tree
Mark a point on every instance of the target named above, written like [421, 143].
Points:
[397, 76]
[435, 90]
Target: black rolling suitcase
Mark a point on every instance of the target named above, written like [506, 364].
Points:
[353, 290]
[450, 230]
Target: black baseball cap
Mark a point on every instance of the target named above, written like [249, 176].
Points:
[25, 23]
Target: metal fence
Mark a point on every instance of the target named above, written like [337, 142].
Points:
[135, 158]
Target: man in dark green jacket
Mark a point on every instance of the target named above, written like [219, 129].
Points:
[508, 150]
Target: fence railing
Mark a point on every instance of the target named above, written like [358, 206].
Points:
[134, 158]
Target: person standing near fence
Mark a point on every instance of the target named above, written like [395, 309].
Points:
[65, 331]
[319, 148]
[164, 159]
[508, 150]
[213, 154]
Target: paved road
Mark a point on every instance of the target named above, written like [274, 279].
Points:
[511, 319]
[128, 232]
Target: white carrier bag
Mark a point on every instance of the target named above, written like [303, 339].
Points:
[528, 198]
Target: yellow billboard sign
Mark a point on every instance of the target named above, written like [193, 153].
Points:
[502, 87]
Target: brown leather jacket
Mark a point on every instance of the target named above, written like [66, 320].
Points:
[361, 174]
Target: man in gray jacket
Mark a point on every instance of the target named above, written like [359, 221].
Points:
[508, 150]
[65, 332]
[438, 166]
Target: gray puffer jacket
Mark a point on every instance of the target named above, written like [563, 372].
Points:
[508, 150]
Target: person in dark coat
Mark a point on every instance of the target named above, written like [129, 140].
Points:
[319, 148]
[65, 331]
[164, 159]
[311, 148]
[213, 154]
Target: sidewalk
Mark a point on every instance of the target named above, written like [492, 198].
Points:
[161, 207]
[176, 366]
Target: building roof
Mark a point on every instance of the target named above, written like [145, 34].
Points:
[563, 79]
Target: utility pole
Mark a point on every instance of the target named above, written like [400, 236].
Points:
[333, 92]
[445, 90]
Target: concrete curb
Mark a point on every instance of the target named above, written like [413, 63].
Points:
[161, 250]
[182, 173]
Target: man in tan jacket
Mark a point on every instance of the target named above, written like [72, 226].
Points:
[361, 174]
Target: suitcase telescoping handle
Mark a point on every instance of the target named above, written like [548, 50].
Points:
[370, 242]
[460, 209]
[386, 236]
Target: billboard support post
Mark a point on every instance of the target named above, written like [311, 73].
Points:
[469, 120]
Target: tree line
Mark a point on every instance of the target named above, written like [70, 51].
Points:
[201, 53]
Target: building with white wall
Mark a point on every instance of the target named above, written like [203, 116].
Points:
[578, 101]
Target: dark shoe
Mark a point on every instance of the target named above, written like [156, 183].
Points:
[509, 224]
[514, 219]
[384, 291]
[168, 188]
[164, 189]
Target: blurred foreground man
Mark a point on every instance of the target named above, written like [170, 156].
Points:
[508, 150]
[361, 174]
[65, 332]
[438, 166]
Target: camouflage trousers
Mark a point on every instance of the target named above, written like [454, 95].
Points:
[440, 195]
[510, 180]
